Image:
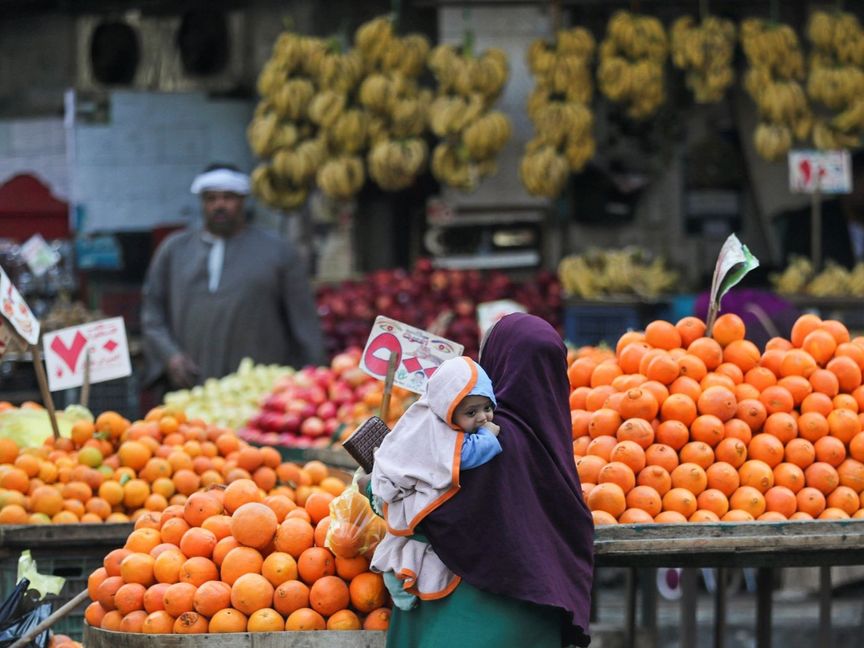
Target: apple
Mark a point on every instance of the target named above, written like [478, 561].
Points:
[326, 410]
[290, 423]
[312, 427]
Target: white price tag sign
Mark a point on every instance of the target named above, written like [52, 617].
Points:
[830, 171]
[38, 255]
[16, 311]
[488, 313]
[418, 353]
[66, 350]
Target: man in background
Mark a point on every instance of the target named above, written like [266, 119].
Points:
[217, 294]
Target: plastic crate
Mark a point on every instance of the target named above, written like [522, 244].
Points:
[75, 565]
[586, 324]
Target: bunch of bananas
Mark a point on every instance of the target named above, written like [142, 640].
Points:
[283, 131]
[836, 78]
[631, 63]
[774, 82]
[341, 177]
[559, 109]
[614, 272]
[705, 51]
[395, 103]
[799, 278]
[471, 134]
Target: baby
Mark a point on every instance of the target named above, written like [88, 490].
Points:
[448, 430]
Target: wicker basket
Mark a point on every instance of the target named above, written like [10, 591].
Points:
[362, 444]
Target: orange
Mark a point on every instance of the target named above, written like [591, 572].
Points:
[367, 592]
[588, 468]
[732, 451]
[723, 477]
[822, 476]
[315, 563]
[719, 402]
[604, 421]
[851, 473]
[608, 497]
[198, 570]
[636, 430]
[789, 475]
[836, 329]
[757, 474]
[138, 568]
[689, 329]
[697, 452]
[133, 622]
[605, 373]
[679, 407]
[240, 561]
[704, 515]
[811, 501]
[691, 366]
[731, 371]
[830, 450]
[328, 595]
[579, 373]
[661, 334]
[742, 354]
[199, 507]
[820, 344]
[198, 542]
[760, 377]
[279, 567]
[728, 328]
[781, 500]
[130, 597]
[844, 425]
[737, 515]
[847, 371]
[680, 500]
[211, 597]
[265, 620]
[781, 425]
[656, 477]
[687, 386]
[713, 500]
[796, 362]
[803, 326]
[251, 592]
[767, 448]
[672, 433]
[646, 499]
[812, 426]
[618, 473]
[106, 590]
[94, 614]
[601, 447]
[318, 506]
[707, 429]
[659, 454]
[228, 620]
[800, 452]
[690, 476]
[736, 428]
[305, 619]
[670, 517]
[635, 516]
[708, 351]
[844, 498]
[290, 596]
[154, 597]
[190, 623]
[748, 499]
[833, 514]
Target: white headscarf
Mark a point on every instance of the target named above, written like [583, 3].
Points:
[221, 180]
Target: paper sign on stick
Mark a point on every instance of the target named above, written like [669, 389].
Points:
[733, 262]
[488, 313]
[828, 171]
[65, 353]
[419, 353]
[38, 255]
[16, 311]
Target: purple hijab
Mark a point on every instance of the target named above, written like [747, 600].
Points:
[518, 526]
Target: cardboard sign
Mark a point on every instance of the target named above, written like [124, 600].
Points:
[488, 313]
[829, 171]
[418, 352]
[66, 350]
[38, 255]
[15, 310]
[733, 262]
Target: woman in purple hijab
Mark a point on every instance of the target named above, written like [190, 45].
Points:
[517, 532]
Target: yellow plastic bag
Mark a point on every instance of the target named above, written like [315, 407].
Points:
[355, 529]
[43, 583]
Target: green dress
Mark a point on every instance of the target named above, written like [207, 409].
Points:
[472, 618]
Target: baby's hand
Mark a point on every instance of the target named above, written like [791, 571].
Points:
[494, 429]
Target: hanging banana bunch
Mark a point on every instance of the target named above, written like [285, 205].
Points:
[705, 51]
[559, 109]
[631, 63]
[472, 135]
[836, 78]
[395, 104]
[774, 82]
[283, 131]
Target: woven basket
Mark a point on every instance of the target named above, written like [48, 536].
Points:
[362, 444]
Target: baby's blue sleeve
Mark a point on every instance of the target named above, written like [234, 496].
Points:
[478, 448]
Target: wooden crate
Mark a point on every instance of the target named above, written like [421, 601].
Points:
[97, 638]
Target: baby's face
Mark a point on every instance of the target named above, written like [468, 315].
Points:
[472, 413]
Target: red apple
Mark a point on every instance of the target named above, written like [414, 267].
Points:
[326, 410]
[312, 427]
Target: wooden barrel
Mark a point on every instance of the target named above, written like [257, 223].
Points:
[96, 638]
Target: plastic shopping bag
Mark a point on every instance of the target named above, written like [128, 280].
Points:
[355, 529]
[15, 628]
[43, 583]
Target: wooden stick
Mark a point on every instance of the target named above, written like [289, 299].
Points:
[85, 388]
[58, 614]
[43, 387]
[388, 386]
[816, 227]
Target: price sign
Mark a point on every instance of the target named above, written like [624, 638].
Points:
[38, 255]
[488, 313]
[66, 351]
[15, 310]
[418, 352]
[733, 262]
[825, 171]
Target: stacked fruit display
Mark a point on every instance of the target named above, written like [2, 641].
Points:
[631, 63]
[705, 51]
[237, 560]
[774, 82]
[229, 401]
[418, 298]
[559, 108]
[112, 470]
[799, 278]
[306, 409]
[471, 134]
[615, 272]
[676, 426]
[836, 78]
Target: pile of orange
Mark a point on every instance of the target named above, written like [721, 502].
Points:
[235, 560]
[114, 470]
[675, 426]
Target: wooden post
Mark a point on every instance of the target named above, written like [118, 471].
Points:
[720, 608]
[388, 386]
[825, 638]
[43, 388]
[55, 616]
[630, 623]
[85, 387]
[816, 227]
[689, 599]
[764, 591]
